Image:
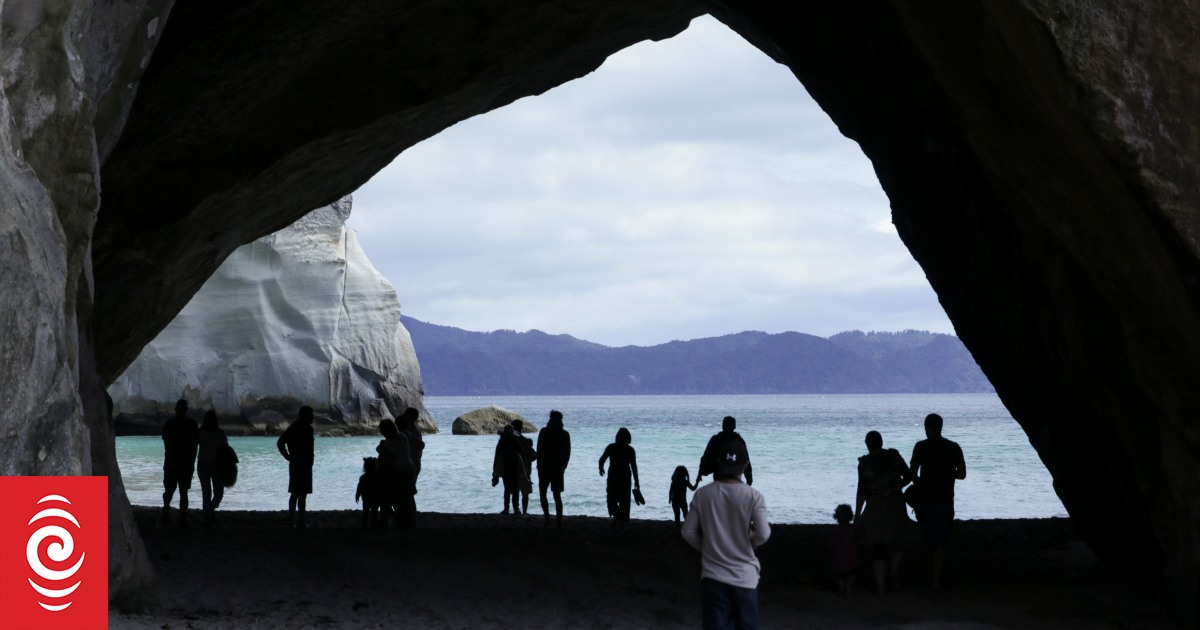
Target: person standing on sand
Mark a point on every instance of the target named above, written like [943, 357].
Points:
[887, 530]
[180, 437]
[843, 548]
[297, 445]
[507, 464]
[677, 494]
[708, 461]
[621, 471]
[528, 455]
[416, 444]
[212, 487]
[396, 466]
[727, 521]
[554, 451]
[936, 463]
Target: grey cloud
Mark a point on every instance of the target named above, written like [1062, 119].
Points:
[674, 193]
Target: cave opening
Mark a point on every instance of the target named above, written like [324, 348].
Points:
[652, 189]
[1018, 157]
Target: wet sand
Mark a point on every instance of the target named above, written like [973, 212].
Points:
[498, 571]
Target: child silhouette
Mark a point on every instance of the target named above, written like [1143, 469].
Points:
[371, 491]
[681, 482]
[843, 549]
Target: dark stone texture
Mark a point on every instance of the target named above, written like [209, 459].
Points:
[1040, 156]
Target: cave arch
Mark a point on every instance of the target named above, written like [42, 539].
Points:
[1040, 157]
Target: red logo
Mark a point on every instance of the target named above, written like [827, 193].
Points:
[53, 553]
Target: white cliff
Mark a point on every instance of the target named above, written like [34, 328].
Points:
[299, 317]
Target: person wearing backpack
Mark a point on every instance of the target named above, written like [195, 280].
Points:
[212, 488]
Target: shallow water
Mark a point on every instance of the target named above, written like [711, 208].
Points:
[804, 449]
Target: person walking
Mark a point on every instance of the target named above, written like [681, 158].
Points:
[708, 461]
[554, 452]
[212, 487]
[622, 476]
[297, 445]
[936, 464]
[181, 438]
[728, 519]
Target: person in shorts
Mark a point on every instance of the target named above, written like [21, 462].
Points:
[297, 447]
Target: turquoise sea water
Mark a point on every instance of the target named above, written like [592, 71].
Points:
[804, 449]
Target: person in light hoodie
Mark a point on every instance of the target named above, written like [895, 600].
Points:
[727, 520]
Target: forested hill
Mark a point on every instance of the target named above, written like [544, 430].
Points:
[457, 362]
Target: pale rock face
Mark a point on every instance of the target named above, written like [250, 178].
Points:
[299, 317]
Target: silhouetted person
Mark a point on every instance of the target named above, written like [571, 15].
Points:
[886, 528]
[395, 462]
[708, 460]
[371, 490]
[727, 521]
[622, 476]
[416, 443]
[681, 482]
[843, 549]
[212, 486]
[297, 446]
[508, 465]
[180, 437]
[528, 455]
[936, 463]
[554, 452]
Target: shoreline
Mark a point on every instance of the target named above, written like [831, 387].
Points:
[493, 571]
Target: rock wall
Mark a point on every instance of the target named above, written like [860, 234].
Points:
[1040, 157]
[299, 317]
[68, 71]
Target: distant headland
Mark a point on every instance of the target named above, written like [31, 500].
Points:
[456, 362]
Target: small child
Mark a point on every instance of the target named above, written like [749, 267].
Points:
[681, 482]
[371, 491]
[844, 549]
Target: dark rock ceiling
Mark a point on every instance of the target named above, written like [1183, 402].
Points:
[1040, 158]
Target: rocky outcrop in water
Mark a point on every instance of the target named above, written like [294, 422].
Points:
[299, 317]
[488, 421]
[1040, 157]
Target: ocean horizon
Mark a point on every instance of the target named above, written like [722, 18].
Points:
[804, 448]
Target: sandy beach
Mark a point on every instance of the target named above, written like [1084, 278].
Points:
[500, 571]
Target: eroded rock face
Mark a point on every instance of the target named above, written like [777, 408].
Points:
[1040, 157]
[68, 70]
[299, 317]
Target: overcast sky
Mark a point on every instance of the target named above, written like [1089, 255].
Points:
[688, 188]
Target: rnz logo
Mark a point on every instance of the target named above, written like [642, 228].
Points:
[54, 552]
[60, 551]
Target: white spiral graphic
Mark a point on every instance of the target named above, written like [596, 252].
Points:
[59, 551]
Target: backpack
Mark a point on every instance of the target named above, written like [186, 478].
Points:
[227, 461]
